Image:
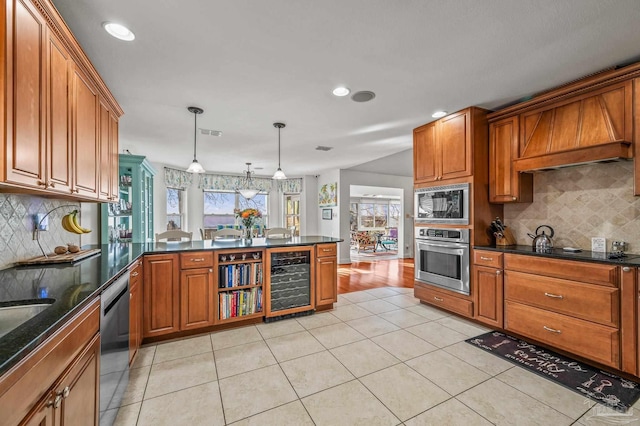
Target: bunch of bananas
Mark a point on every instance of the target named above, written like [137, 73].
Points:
[70, 223]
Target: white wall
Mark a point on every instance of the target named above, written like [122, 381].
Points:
[331, 228]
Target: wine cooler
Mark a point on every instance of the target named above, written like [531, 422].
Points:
[291, 280]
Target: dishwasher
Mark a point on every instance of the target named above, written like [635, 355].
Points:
[114, 346]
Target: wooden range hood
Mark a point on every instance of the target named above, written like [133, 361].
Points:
[592, 127]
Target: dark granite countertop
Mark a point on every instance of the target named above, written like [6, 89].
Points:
[558, 253]
[72, 286]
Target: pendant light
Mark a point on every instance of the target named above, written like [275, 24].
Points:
[195, 167]
[246, 188]
[279, 174]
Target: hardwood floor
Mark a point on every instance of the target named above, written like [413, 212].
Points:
[358, 276]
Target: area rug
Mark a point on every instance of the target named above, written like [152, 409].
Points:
[601, 386]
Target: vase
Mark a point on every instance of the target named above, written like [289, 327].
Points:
[248, 234]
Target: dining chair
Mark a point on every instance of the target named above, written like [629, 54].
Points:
[174, 235]
[278, 233]
[226, 233]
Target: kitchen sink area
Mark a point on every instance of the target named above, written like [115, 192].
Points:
[14, 314]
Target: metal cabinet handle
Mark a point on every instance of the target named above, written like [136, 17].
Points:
[555, 296]
[55, 402]
[52, 184]
[514, 198]
[210, 270]
[327, 250]
[498, 272]
[65, 392]
[437, 299]
[553, 330]
[200, 259]
[486, 258]
[626, 269]
[42, 183]
[134, 274]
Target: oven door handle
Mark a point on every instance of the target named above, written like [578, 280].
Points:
[446, 246]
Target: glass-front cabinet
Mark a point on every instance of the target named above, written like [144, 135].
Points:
[290, 285]
[130, 218]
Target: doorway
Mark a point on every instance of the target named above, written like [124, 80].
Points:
[375, 223]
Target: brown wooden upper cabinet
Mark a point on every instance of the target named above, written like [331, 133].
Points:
[442, 149]
[506, 185]
[53, 126]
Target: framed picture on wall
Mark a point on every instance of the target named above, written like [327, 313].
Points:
[327, 214]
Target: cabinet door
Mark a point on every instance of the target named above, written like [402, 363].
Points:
[454, 141]
[80, 389]
[425, 154]
[25, 144]
[489, 296]
[114, 159]
[327, 281]
[506, 185]
[197, 298]
[161, 295]
[135, 311]
[58, 116]
[104, 141]
[629, 320]
[43, 414]
[85, 135]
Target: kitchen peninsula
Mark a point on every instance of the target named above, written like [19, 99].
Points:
[182, 293]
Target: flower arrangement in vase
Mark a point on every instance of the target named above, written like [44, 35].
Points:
[248, 217]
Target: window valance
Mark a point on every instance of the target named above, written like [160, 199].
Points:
[290, 186]
[178, 179]
[211, 182]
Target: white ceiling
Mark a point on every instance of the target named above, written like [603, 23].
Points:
[251, 63]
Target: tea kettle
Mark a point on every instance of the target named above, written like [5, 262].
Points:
[542, 242]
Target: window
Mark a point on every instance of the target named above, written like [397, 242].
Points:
[292, 212]
[174, 208]
[219, 207]
[376, 214]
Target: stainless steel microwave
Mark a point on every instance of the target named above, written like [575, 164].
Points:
[442, 204]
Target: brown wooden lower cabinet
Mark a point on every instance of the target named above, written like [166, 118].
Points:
[161, 295]
[584, 338]
[488, 290]
[135, 309]
[197, 297]
[445, 300]
[326, 275]
[58, 383]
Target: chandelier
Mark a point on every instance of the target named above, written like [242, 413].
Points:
[195, 167]
[246, 187]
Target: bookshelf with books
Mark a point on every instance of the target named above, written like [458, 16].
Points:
[240, 278]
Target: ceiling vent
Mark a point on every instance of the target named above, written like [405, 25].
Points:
[363, 96]
[323, 148]
[211, 132]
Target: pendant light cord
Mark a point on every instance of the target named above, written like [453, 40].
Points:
[279, 147]
[195, 134]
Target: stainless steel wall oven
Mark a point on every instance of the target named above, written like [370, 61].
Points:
[442, 258]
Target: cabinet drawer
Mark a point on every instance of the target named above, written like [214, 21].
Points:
[196, 259]
[491, 259]
[443, 300]
[589, 340]
[587, 272]
[324, 250]
[587, 301]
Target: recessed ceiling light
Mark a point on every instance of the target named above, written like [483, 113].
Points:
[118, 31]
[323, 148]
[341, 91]
[439, 114]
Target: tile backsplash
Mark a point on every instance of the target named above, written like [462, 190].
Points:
[17, 215]
[581, 202]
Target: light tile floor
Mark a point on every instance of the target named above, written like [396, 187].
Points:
[379, 358]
